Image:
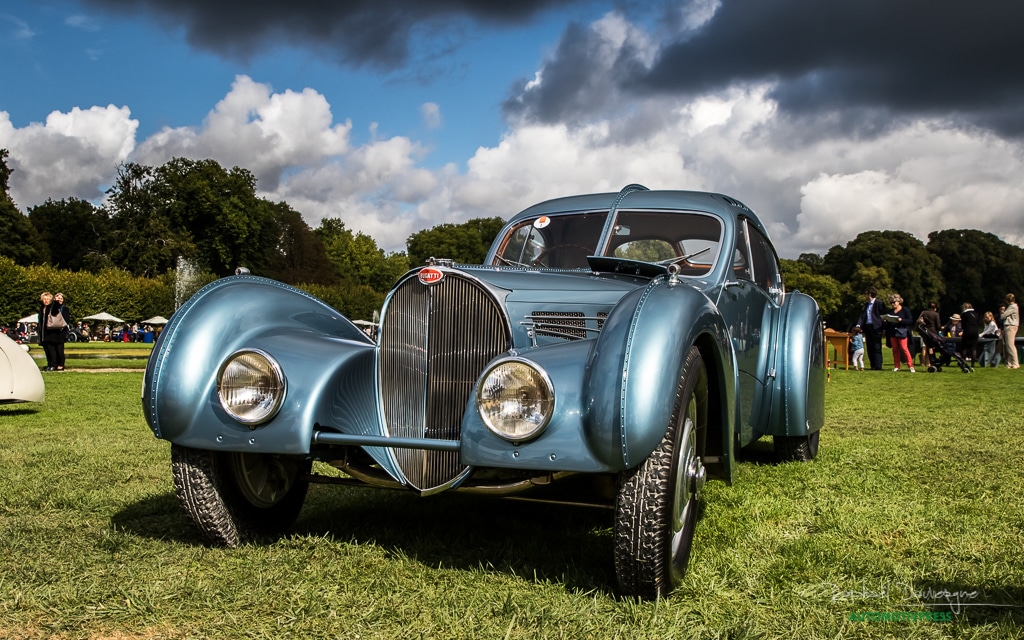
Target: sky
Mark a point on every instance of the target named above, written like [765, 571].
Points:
[826, 118]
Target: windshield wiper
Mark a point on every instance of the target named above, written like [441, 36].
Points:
[512, 263]
[672, 261]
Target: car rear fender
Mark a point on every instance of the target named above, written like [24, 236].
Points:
[634, 368]
[799, 394]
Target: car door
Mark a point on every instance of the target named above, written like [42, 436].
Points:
[750, 304]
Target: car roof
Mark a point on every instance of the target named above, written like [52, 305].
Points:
[638, 197]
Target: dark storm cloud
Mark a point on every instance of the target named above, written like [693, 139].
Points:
[377, 33]
[886, 57]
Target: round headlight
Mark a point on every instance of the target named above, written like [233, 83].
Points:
[250, 386]
[515, 400]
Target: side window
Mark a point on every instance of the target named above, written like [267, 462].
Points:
[741, 255]
[766, 266]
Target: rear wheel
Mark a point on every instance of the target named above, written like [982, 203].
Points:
[656, 507]
[796, 448]
[234, 498]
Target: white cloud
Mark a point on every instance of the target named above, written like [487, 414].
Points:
[252, 127]
[431, 114]
[72, 154]
[812, 189]
[22, 31]
[85, 23]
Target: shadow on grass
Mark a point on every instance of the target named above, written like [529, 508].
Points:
[566, 545]
[20, 411]
[760, 453]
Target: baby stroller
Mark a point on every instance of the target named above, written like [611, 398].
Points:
[945, 351]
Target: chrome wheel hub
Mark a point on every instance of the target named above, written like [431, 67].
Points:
[263, 479]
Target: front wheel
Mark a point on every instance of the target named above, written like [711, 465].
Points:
[656, 507]
[234, 498]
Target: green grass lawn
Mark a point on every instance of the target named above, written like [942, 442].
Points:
[916, 491]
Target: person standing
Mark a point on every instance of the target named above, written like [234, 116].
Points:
[898, 324]
[871, 324]
[54, 321]
[990, 355]
[858, 349]
[1011, 320]
[930, 321]
[970, 327]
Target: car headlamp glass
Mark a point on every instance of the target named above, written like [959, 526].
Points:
[250, 386]
[515, 400]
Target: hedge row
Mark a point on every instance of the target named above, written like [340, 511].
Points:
[114, 291]
[132, 299]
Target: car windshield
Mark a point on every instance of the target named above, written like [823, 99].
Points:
[557, 242]
[564, 241]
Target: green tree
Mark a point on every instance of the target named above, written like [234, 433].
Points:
[194, 209]
[915, 272]
[977, 267]
[19, 240]
[466, 243]
[302, 256]
[356, 258]
[75, 231]
[218, 212]
[828, 291]
[142, 239]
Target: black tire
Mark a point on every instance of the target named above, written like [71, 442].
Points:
[796, 448]
[234, 498]
[72, 336]
[657, 503]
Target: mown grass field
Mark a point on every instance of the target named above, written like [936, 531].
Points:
[917, 492]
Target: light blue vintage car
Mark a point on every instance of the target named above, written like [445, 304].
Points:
[631, 340]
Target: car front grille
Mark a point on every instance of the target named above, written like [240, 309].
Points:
[435, 341]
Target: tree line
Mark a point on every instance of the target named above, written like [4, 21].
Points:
[211, 216]
[955, 266]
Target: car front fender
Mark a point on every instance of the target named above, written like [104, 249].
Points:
[326, 360]
[629, 389]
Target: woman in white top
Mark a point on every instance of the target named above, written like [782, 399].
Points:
[990, 356]
[1010, 321]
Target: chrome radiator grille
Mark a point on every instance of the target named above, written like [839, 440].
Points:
[435, 341]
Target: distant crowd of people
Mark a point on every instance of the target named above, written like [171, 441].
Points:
[54, 329]
[996, 334]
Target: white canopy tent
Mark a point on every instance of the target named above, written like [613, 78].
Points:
[156, 320]
[103, 317]
[34, 318]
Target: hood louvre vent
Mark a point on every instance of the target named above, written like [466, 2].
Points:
[568, 325]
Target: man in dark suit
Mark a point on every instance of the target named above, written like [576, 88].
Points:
[870, 323]
[970, 327]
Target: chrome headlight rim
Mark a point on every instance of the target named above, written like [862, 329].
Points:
[276, 371]
[547, 388]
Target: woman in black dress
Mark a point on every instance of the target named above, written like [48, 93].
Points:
[54, 323]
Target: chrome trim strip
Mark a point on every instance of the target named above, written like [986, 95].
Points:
[331, 437]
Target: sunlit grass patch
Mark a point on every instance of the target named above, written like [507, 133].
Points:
[916, 492]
